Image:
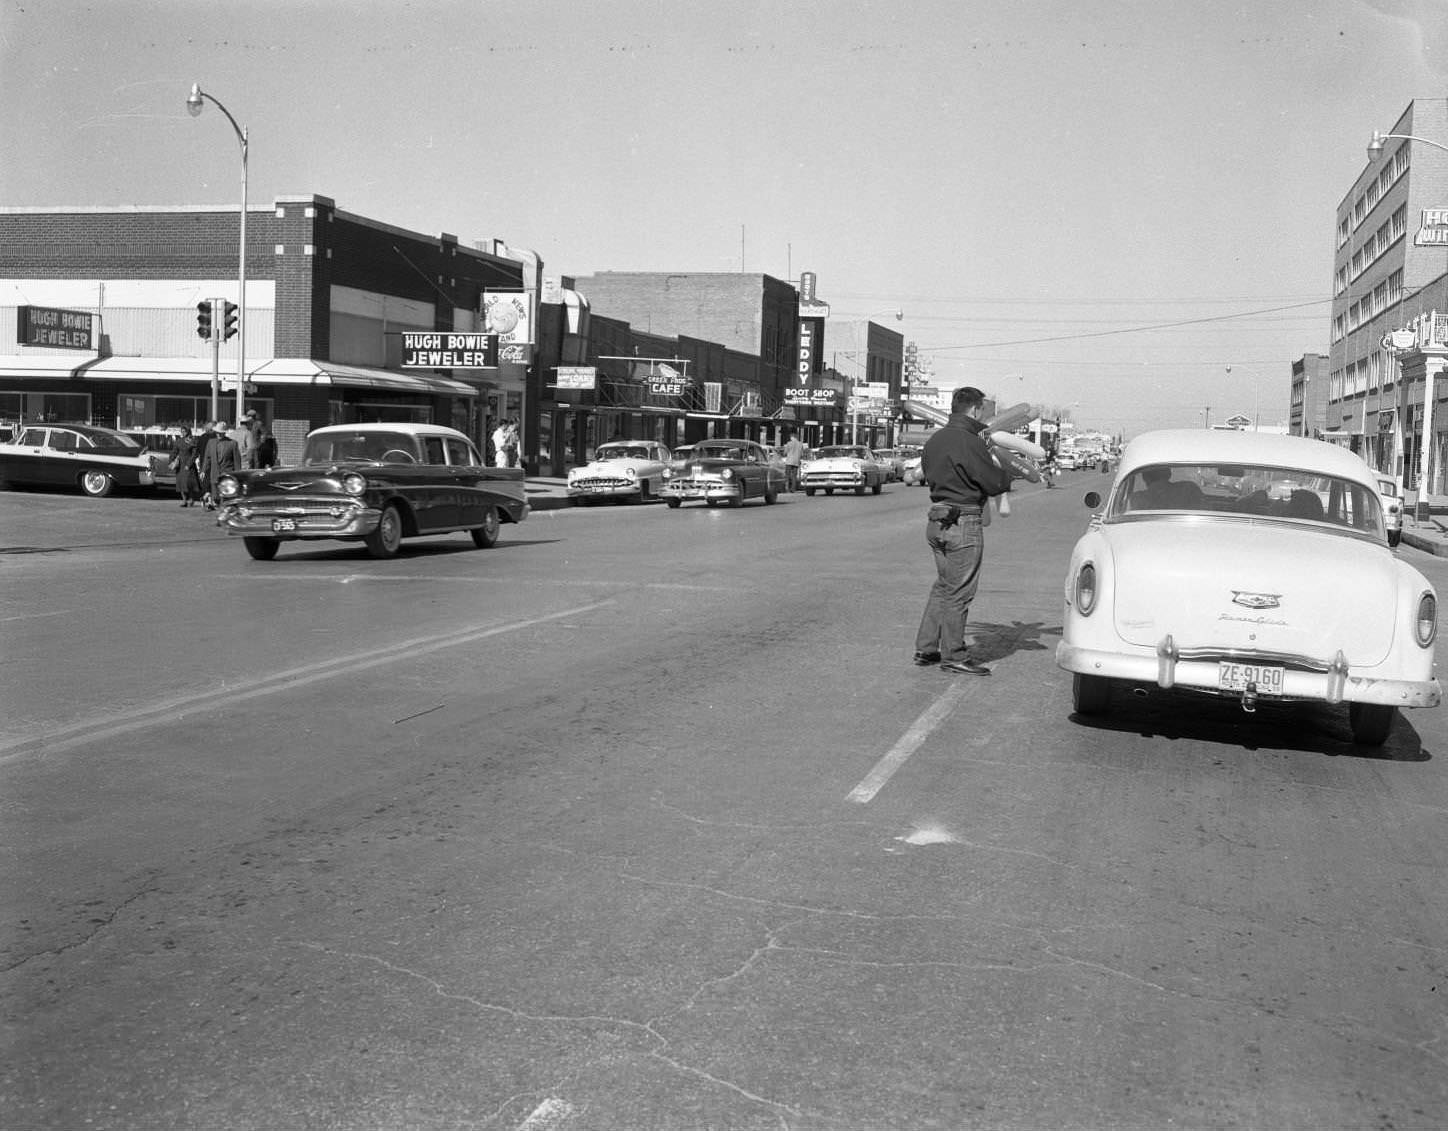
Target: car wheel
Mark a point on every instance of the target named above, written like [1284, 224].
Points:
[738, 500]
[809, 492]
[829, 490]
[770, 497]
[876, 489]
[1394, 537]
[860, 490]
[384, 541]
[262, 549]
[1090, 694]
[644, 496]
[96, 484]
[1370, 722]
[673, 504]
[486, 536]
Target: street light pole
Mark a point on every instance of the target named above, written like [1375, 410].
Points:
[195, 101]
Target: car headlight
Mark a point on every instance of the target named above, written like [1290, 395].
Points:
[727, 474]
[1427, 619]
[228, 487]
[1086, 589]
[353, 483]
[631, 472]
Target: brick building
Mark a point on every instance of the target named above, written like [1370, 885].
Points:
[328, 295]
[1307, 405]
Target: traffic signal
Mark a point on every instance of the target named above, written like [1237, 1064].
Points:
[228, 321]
[203, 320]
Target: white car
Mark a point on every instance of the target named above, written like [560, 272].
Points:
[620, 469]
[913, 475]
[1253, 567]
[1392, 508]
[843, 467]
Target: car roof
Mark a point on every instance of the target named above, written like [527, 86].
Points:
[399, 426]
[1203, 445]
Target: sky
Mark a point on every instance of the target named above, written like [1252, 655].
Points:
[1123, 211]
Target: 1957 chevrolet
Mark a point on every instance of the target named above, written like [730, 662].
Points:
[376, 484]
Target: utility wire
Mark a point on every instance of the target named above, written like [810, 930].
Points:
[1131, 330]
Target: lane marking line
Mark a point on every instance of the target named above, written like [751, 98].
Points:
[909, 742]
[90, 730]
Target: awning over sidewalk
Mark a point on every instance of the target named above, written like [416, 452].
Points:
[274, 371]
[43, 364]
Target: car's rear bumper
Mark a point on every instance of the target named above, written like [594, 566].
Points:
[1349, 685]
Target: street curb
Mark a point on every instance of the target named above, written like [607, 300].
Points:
[1436, 547]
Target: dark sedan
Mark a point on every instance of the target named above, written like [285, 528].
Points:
[97, 460]
[724, 471]
[376, 484]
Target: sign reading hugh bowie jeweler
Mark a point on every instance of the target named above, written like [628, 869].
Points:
[442, 350]
[56, 329]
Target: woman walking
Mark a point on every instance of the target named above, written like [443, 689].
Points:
[183, 462]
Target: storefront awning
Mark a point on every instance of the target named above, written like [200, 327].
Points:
[44, 364]
[275, 371]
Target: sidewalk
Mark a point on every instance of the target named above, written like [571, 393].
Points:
[1430, 535]
[546, 494]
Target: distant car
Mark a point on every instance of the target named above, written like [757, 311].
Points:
[97, 460]
[1252, 567]
[1392, 509]
[376, 484]
[1066, 459]
[842, 467]
[893, 463]
[724, 471]
[620, 469]
[913, 475]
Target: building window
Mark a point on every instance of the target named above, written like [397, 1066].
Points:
[47, 408]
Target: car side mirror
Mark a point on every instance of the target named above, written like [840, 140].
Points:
[1092, 499]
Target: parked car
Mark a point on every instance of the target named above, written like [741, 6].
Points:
[724, 471]
[843, 467]
[620, 469]
[1392, 509]
[97, 460]
[913, 475]
[1253, 567]
[892, 462]
[376, 484]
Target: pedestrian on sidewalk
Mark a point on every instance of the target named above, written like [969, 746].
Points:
[793, 457]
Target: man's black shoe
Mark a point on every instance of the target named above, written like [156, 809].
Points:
[965, 667]
[925, 659]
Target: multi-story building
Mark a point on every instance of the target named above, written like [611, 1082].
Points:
[1307, 408]
[1390, 268]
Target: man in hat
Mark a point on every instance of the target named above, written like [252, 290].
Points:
[250, 438]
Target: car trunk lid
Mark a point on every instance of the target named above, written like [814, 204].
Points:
[1258, 586]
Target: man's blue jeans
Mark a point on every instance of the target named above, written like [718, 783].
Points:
[958, 550]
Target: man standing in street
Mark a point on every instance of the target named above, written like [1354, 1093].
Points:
[793, 455]
[223, 456]
[962, 476]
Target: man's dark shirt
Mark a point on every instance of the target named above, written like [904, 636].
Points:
[958, 466]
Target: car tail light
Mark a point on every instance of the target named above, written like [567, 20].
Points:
[1086, 589]
[1427, 619]
[353, 483]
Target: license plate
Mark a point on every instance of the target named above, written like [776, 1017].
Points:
[1236, 677]
[280, 524]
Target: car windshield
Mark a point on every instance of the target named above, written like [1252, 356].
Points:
[623, 451]
[843, 452]
[720, 451]
[1244, 490]
[361, 446]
